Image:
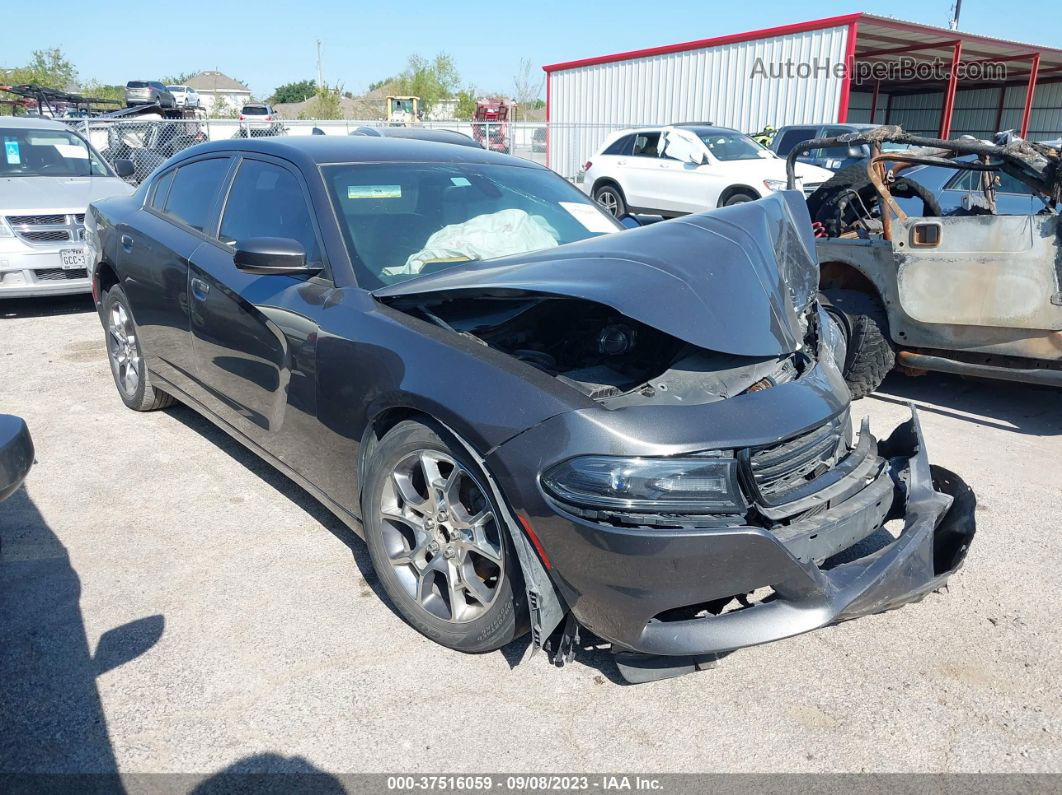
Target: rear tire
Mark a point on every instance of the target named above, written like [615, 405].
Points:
[870, 354]
[739, 198]
[438, 542]
[611, 198]
[126, 357]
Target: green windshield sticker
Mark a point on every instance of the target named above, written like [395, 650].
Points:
[374, 191]
[11, 151]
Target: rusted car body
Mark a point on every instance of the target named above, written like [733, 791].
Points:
[974, 294]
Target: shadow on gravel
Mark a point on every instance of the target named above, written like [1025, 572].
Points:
[51, 718]
[1020, 408]
[270, 773]
[45, 307]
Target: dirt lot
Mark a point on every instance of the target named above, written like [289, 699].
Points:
[265, 645]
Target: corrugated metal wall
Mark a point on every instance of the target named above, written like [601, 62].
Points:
[713, 84]
[975, 111]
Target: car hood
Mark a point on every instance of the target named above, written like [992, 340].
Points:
[25, 195]
[729, 280]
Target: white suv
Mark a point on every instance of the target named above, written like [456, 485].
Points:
[48, 176]
[686, 168]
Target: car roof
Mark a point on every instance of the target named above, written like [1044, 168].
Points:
[32, 123]
[311, 150]
[699, 128]
[705, 129]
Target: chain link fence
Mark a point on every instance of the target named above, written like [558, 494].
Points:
[150, 142]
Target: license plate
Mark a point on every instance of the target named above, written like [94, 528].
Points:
[72, 258]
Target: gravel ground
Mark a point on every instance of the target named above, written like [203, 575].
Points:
[263, 644]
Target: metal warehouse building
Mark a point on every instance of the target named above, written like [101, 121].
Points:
[847, 68]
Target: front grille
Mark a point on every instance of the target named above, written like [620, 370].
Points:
[51, 228]
[37, 220]
[50, 236]
[781, 468]
[60, 275]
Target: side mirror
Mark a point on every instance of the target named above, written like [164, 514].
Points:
[272, 255]
[124, 167]
[16, 453]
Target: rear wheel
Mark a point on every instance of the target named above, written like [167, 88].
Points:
[739, 198]
[611, 198]
[126, 357]
[870, 354]
[438, 541]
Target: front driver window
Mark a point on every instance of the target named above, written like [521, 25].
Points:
[267, 201]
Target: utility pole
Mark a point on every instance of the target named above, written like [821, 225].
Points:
[320, 79]
[956, 9]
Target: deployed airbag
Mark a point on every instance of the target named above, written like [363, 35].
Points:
[484, 237]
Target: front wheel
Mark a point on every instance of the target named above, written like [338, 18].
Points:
[870, 354]
[126, 357]
[439, 543]
[611, 198]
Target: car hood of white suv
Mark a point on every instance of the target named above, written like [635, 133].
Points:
[773, 168]
[26, 195]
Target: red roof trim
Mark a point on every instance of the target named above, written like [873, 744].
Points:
[766, 33]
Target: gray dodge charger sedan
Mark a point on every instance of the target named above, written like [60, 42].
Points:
[538, 419]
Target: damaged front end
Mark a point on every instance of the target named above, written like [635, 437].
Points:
[697, 502]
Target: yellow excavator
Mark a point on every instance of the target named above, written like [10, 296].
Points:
[403, 111]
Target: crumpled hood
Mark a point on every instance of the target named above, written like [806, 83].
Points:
[27, 195]
[717, 280]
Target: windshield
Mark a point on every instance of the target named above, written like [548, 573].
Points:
[400, 220]
[47, 153]
[732, 146]
[253, 110]
[890, 146]
[176, 89]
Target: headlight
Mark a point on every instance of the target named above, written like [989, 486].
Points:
[704, 484]
[5, 230]
[774, 184]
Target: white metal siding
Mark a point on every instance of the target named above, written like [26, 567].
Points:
[710, 84]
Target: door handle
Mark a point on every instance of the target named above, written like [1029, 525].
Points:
[127, 243]
[621, 162]
[200, 289]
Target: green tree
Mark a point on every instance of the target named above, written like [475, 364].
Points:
[325, 105]
[47, 68]
[293, 92]
[178, 79]
[466, 103]
[98, 90]
[430, 80]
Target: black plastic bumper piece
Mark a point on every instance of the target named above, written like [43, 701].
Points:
[16, 453]
[938, 528]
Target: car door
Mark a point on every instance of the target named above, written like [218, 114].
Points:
[692, 180]
[154, 249]
[640, 174]
[254, 344]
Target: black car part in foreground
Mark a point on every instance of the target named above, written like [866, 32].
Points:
[536, 419]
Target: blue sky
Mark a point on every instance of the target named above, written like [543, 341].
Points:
[266, 42]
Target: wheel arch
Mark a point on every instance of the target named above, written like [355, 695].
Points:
[104, 277]
[732, 190]
[600, 182]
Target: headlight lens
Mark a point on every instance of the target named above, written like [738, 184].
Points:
[774, 184]
[703, 484]
[5, 230]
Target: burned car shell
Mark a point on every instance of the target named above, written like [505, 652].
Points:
[305, 372]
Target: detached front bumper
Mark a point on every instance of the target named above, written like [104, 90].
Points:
[628, 585]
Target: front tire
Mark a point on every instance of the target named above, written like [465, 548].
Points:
[870, 354]
[126, 357]
[439, 542]
[611, 198]
[739, 198]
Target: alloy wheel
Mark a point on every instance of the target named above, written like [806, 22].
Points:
[442, 537]
[122, 349]
[609, 200]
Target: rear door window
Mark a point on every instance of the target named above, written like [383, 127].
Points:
[645, 144]
[791, 138]
[162, 190]
[194, 192]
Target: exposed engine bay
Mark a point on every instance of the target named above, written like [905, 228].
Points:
[607, 356]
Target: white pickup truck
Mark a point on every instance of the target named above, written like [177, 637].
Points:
[48, 176]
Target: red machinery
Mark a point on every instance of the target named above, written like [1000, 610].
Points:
[490, 125]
